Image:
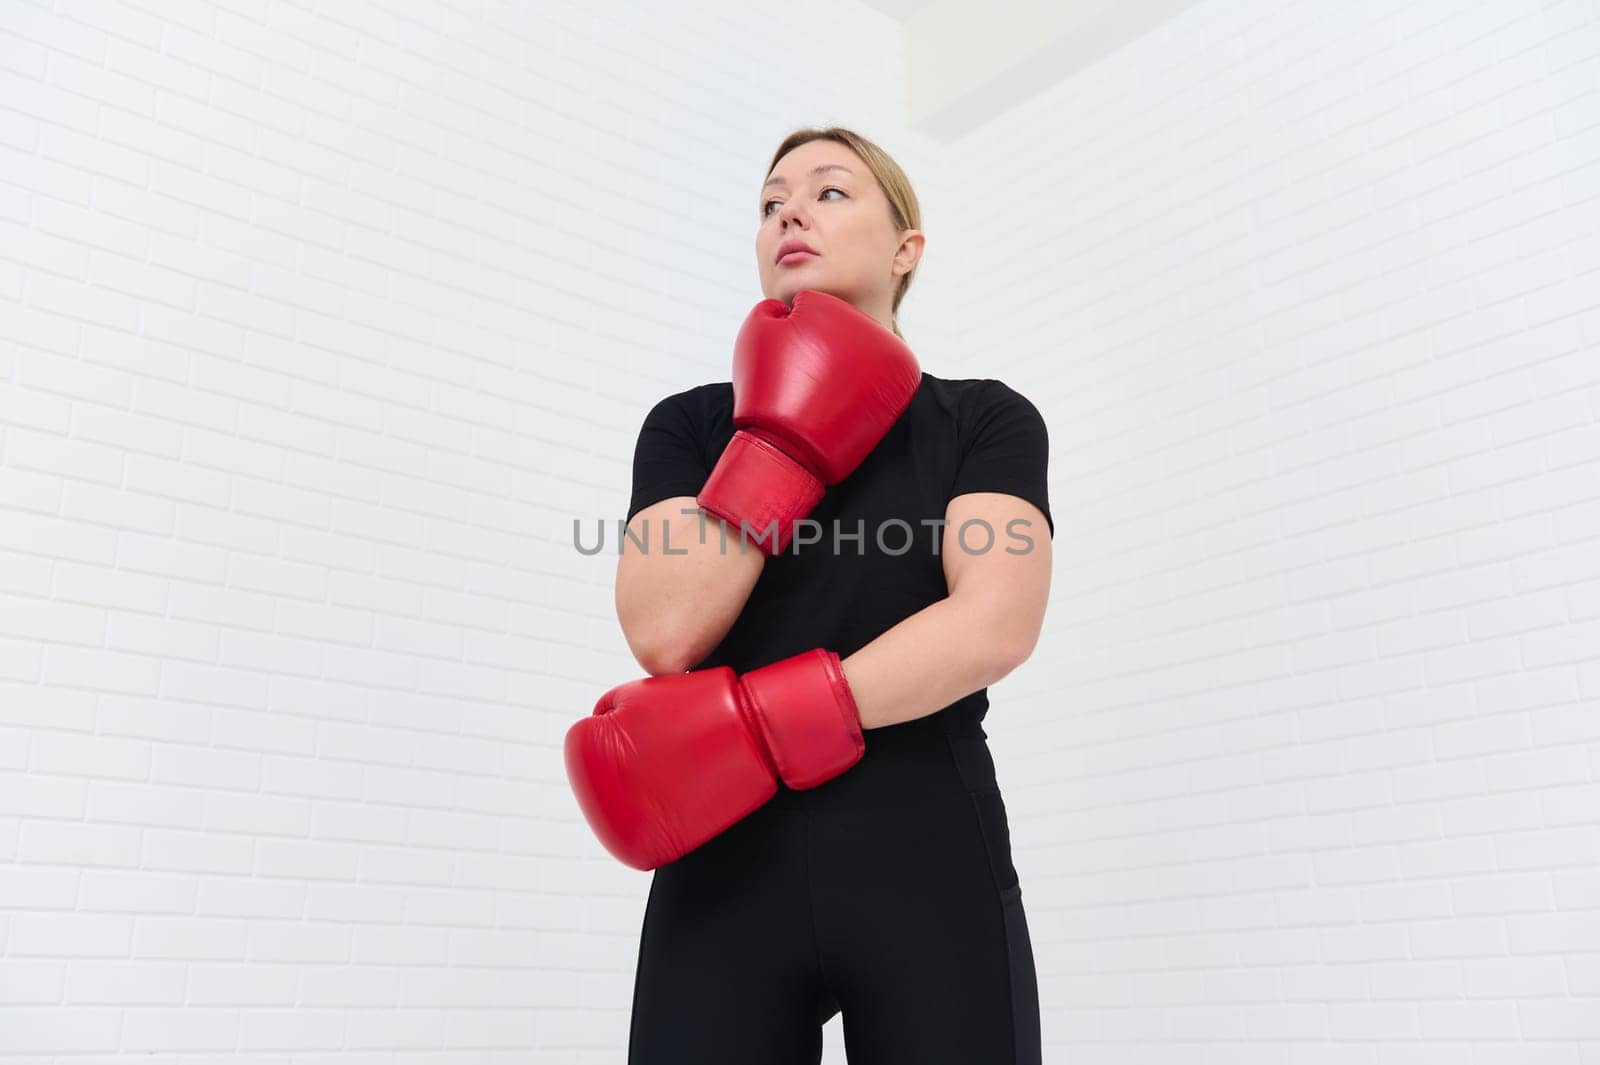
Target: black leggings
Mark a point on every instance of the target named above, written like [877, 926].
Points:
[887, 894]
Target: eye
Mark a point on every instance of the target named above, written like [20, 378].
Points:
[830, 188]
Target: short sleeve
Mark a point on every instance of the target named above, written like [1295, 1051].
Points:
[668, 459]
[1008, 448]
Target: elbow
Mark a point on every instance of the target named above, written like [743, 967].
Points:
[671, 637]
[658, 644]
[661, 661]
[1006, 654]
[661, 656]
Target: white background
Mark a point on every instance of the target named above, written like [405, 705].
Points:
[320, 324]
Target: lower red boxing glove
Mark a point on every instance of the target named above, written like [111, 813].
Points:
[666, 763]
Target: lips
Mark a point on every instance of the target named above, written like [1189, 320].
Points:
[793, 251]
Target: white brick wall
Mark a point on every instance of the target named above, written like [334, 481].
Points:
[321, 326]
[1310, 296]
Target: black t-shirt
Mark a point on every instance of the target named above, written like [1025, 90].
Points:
[957, 436]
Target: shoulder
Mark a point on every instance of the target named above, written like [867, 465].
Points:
[708, 394]
[977, 401]
[697, 405]
[973, 389]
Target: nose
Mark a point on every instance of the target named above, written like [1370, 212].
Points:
[790, 212]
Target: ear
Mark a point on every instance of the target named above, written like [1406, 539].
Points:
[909, 253]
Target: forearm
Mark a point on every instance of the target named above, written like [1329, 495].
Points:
[681, 583]
[941, 653]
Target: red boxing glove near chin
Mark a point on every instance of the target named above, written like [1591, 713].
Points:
[665, 763]
[814, 390]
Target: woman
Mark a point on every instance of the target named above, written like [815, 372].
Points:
[881, 886]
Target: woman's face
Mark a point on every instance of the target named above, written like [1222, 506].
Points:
[823, 196]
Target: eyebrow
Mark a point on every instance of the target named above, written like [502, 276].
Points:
[815, 170]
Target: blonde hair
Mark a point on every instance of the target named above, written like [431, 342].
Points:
[904, 210]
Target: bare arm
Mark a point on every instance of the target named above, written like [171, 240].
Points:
[986, 626]
[677, 597]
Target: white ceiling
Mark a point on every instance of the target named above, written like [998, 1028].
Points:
[900, 9]
[967, 62]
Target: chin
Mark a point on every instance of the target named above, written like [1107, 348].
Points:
[818, 285]
[787, 287]
[786, 290]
